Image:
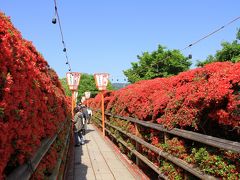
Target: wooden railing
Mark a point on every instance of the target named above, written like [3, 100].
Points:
[196, 137]
[26, 170]
[205, 139]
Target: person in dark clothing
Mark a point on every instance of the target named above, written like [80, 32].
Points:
[78, 126]
[85, 118]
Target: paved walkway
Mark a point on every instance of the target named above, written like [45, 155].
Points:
[96, 160]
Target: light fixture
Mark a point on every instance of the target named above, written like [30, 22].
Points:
[54, 20]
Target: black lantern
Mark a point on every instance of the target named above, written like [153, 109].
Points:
[54, 20]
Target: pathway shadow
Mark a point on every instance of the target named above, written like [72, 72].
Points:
[86, 141]
[89, 130]
[76, 170]
[80, 169]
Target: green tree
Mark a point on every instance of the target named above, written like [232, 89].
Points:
[159, 63]
[229, 52]
[209, 59]
[65, 86]
[238, 34]
[87, 83]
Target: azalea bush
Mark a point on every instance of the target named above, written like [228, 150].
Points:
[201, 100]
[204, 100]
[49, 162]
[33, 105]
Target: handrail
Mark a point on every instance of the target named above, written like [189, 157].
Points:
[26, 170]
[205, 139]
[136, 153]
[140, 156]
[59, 161]
[166, 155]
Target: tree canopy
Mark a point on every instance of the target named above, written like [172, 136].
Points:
[159, 63]
[229, 52]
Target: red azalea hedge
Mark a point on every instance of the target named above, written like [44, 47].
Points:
[32, 101]
[204, 99]
[49, 162]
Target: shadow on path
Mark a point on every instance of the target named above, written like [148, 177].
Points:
[80, 169]
[76, 170]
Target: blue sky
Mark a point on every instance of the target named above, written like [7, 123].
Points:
[107, 35]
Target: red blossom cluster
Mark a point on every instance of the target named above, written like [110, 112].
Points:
[32, 102]
[201, 99]
[46, 167]
[206, 100]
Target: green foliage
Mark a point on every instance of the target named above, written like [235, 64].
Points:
[209, 59]
[201, 155]
[65, 86]
[1, 112]
[159, 63]
[238, 34]
[87, 83]
[214, 164]
[169, 170]
[229, 52]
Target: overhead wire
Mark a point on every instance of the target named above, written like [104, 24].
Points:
[204, 37]
[62, 37]
[188, 46]
[210, 34]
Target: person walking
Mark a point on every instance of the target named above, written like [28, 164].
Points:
[85, 117]
[78, 127]
[89, 115]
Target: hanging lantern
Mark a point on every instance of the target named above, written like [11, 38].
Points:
[87, 95]
[101, 80]
[83, 99]
[73, 79]
[54, 20]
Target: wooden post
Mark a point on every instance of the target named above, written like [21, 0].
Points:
[165, 137]
[103, 123]
[137, 144]
[101, 80]
[73, 104]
